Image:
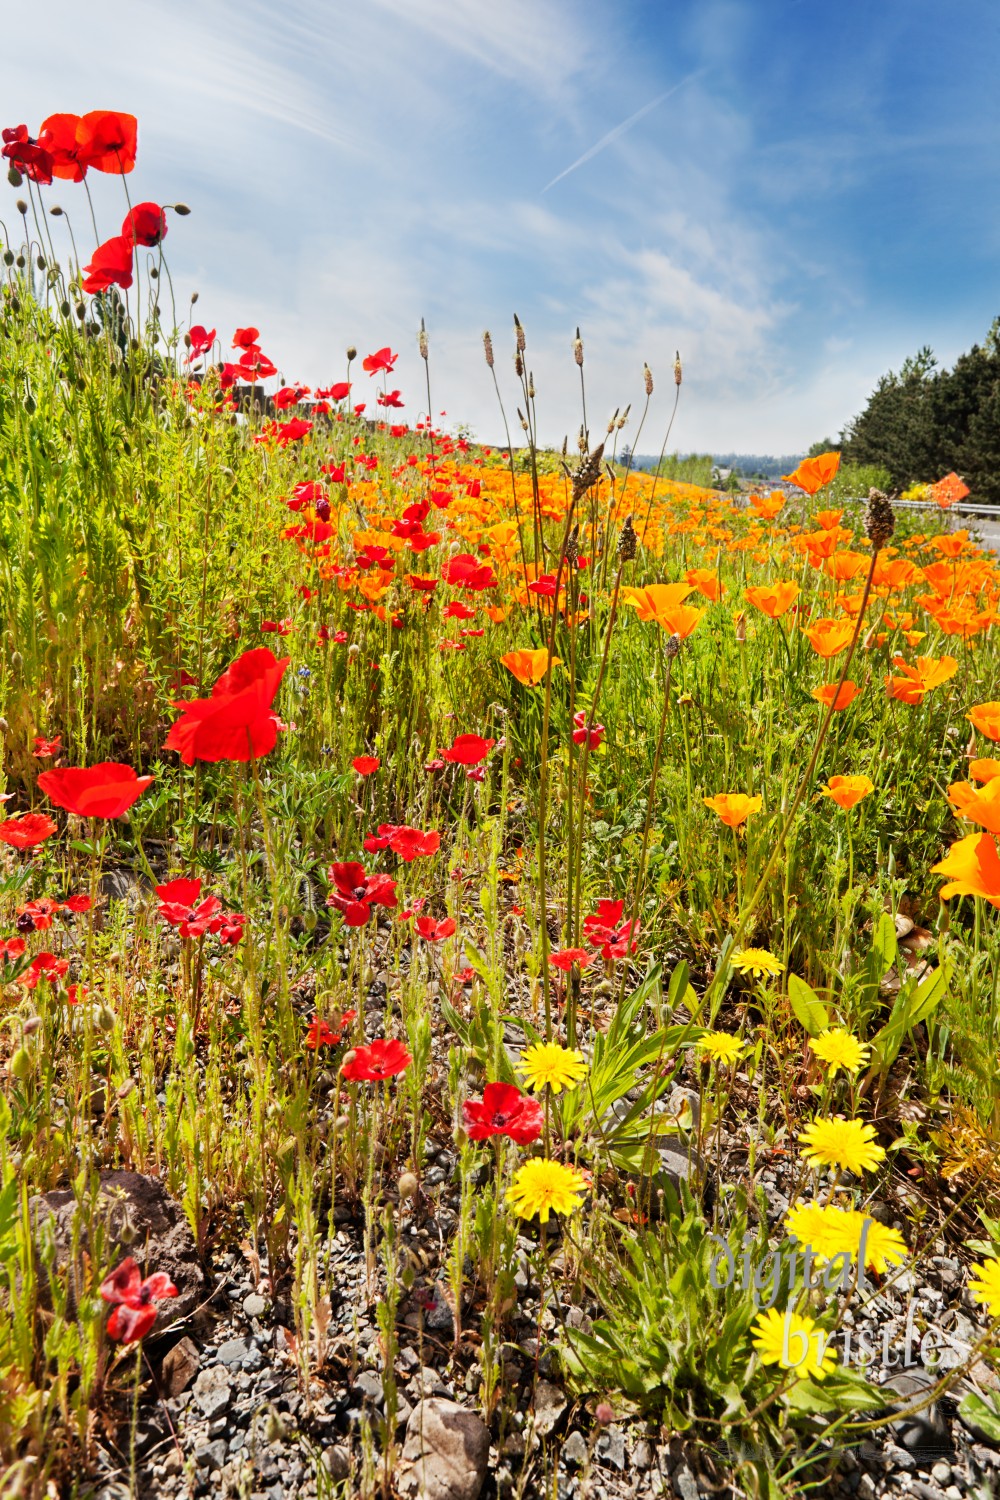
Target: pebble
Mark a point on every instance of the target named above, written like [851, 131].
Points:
[575, 1450]
[255, 1305]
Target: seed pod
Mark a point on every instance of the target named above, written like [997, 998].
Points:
[880, 520]
[628, 542]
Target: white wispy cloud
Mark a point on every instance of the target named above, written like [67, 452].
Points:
[619, 130]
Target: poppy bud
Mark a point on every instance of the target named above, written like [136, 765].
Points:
[105, 1018]
[128, 1087]
[352, 353]
[8, 257]
[14, 177]
[15, 304]
[182, 209]
[677, 368]
[21, 206]
[40, 262]
[65, 309]
[16, 660]
[21, 262]
[194, 298]
[31, 1025]
[153, 273]
[80, 311]
[605, 1413]
[407, 1186]
[349, 1057]
[20, 1065]
[56, 211]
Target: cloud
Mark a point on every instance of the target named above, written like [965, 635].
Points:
[619, 130]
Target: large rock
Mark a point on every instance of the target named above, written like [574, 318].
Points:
[445, 1454]
[140, 1219]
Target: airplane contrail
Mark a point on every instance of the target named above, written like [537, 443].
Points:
[619, 130]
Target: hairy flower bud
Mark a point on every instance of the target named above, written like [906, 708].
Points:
[14, 177]
[182, 209]
[21, 206]
[628, 542]
[880, 521]
[56, 211]
[352, 353]
[407, 1185]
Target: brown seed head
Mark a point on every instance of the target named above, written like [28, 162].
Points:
[673, 646]
[573, 546]
[422, 340]
[880, 521]
[488, 348]
[647, 379]
[628, 542]
[588, 473]
[519, 334]
[578, 348]
[677, 368]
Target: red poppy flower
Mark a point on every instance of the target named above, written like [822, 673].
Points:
[134, 1313]
[580, 732]
[44, 748]
[408, 843]
[37, 916]
[236, 722]
[467, 572]
[246, 338]
[27, 831]
[389, 398]
[27, 155]
[468, 750]
[567, 957]
[356, 893]
[107, 141]
[44, 966]
[77, 904]
[381, 1059]
[103, 791]
[456, 610]
[435, 932]
[366, 764]
[382, 359]
[146, 225]
[13, 948]
[111, 266]
[322, 1035]
[503, 1110]
[202, 339]
[59, 135]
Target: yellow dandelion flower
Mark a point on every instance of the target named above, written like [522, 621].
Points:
[848, 1144]
[985, 1285]
[720, 1046]
[810, 1224]
[831, 1231]
[548, 1063]
[756, 961]
[542, 1187]
[793, 1342]
[838, 1049]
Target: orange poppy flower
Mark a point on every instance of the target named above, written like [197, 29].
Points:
[974, 865]
[830, 637]
[813, 473]
[529, 667]
[681, 620]
[925, 673]
[829, 692]
[986, 718]
[982, 807]
[654, 601]
[844, 566]
[767, 506]
[847, 791]
[984, 770]
[733, 807]
[948, 490]
[706, 582]
[828, 519]
[773, 599]
[818, 544]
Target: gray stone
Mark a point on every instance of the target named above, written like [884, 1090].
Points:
[368, 1384]
[141, 1220]
[337, 1460]
[445, 1454]
[575, 1451]
[549, 1405]
[684, 1483]
[255, 1306]
[642, 1455]
[210, 1456]
[213, 1391]
[611, 1448]
[922, 1432]
[235, 1351]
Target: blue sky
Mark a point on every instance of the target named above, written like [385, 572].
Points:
[796, 194]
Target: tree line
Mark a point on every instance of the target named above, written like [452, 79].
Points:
[923, 422]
